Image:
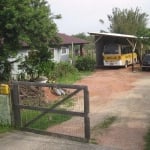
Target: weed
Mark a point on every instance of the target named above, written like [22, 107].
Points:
[105, 124]
[147, 141]
[5, 128]
[93, 141]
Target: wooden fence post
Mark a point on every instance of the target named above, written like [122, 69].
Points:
[15, 103]
[86, 114]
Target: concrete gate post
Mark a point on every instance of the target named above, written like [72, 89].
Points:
[5, 105]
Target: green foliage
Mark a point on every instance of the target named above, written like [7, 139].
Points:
[147, 140]
[5, 128]
[85, 64]
[62, 70]
[145, 33]
[69, 78]
[127, 21]
[28, 22]
[45, 121]
[37, 64]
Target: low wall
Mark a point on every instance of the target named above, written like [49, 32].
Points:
[5, 110]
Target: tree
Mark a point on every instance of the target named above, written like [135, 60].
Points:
[127, 21]
[27, 21]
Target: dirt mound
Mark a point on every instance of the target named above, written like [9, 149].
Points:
[43, 93]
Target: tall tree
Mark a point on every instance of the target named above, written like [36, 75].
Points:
[127, 21]
[29, 21]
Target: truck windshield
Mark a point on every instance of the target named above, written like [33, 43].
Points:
[111, 49]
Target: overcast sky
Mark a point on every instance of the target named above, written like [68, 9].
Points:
[83, 15]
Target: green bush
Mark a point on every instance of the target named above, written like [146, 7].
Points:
[62, 69]
[85, 64]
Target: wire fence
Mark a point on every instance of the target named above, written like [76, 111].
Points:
[54, 109]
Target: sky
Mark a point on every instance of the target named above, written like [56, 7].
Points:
[82, 16]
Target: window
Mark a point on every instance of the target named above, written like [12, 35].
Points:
[64, 50]
[111, 49]
[126, 49]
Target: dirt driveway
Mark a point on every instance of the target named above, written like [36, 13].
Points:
[125, 95]
[116, 92]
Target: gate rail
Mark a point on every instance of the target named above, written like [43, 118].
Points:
[17, 107]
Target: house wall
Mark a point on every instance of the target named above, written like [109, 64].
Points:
[59, 54]
[15, 69]
[5, 110]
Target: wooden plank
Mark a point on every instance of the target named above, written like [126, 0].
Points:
[79, 139]
[86, 111]
[49, 85]
[65, 112]
[15, 103]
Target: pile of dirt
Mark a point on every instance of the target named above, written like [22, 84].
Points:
[43, 93]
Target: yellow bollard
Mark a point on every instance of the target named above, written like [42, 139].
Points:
[4, 89]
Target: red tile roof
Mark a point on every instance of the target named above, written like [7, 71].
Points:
[68, 40]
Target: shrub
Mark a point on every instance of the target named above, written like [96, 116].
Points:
[85, 64]
[62, 69]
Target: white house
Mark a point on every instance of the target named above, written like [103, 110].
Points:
[15, 71]
[60, 53]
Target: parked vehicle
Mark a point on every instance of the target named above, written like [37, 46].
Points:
[146, 62]
[119, 55]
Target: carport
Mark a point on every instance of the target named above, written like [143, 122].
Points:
[104, 38]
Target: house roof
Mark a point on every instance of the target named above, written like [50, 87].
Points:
[68, 40]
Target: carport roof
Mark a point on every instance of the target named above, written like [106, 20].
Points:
[114, 35]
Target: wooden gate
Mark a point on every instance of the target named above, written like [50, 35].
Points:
[37, 109]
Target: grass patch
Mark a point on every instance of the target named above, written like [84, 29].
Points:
[5, 128]
[105, 124]
[147, 141]
[93, 141]
[69, 78]
[72, 78]
[69, 103]
[45, 121]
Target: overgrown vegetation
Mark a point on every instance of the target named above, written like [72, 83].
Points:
[85, 64]
[63, 71]
[27, 23]
[37, 64]
[5, 128]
